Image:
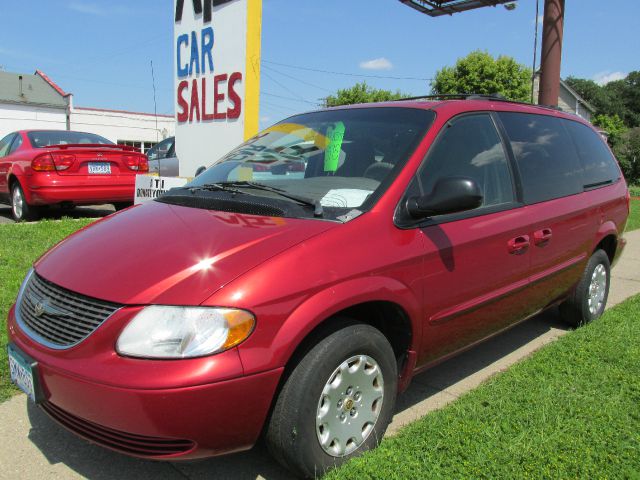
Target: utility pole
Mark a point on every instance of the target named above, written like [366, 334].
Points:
[551, 52]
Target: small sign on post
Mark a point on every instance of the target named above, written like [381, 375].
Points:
[149, 187]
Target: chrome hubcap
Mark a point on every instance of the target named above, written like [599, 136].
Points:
[349, 406]
[597, 289]
[17, 203]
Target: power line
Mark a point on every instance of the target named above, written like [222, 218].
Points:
[388, 77]
[282, 86]
[295, 78]
[282, 108]
[269, 94]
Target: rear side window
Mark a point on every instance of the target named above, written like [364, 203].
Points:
[469, 146]
[546, 157]
[597, 161]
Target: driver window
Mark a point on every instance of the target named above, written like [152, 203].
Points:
[469, 146]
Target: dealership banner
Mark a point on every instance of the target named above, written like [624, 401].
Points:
[217, 78]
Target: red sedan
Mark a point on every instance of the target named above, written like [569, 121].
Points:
[46, 167]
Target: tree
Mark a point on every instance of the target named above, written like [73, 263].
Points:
[627, 151]
[620, 97]
[480, 73]
[627, 93]
[613, 125]
[361, 93]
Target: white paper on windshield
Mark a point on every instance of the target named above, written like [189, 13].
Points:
[345, 197]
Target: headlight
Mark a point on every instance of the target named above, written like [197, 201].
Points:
[184, 332]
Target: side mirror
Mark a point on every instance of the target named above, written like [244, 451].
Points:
[449, 195]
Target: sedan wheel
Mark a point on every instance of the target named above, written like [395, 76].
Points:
[20, 209]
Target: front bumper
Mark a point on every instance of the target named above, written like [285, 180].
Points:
[185, 422]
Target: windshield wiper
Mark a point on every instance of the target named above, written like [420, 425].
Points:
[315, 204]
[213, 187]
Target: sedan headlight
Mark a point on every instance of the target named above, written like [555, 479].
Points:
[184, 332]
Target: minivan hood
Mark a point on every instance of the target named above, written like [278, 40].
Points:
[165, 254]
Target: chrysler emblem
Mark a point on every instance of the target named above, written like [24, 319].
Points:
[38, 310]
[42, 306]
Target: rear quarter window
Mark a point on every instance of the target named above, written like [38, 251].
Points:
[599, 165]
[546, 157]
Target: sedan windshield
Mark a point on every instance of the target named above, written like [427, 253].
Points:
[324, 164]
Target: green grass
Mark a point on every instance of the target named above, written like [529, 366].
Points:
[634, 217]
[635, 190]
[20, 246]
[572, 410]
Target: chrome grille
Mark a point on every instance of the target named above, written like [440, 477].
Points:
[58, 317]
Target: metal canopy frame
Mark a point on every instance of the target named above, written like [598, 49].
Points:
[437, 8]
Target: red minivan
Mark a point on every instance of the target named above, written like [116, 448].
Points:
[48, 167]
[296, 305]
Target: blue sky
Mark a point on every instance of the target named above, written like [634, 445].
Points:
[101, 50]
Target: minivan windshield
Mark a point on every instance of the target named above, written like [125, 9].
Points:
[324, 163]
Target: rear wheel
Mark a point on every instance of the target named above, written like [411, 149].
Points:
[122, 205]
[588, 300]
[336, 403]
[20, 209]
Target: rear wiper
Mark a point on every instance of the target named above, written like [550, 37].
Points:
[315, 204]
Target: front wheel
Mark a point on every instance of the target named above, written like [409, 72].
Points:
[588, 300]
[336, 403]
[20, 209]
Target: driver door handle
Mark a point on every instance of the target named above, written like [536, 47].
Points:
[518, 245]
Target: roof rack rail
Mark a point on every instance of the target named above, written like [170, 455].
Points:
[459, 96]
[479, 96]
[552, 107]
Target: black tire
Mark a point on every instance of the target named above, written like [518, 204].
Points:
[20, 209]
[122, 205]
[576, 310]
[291, 434]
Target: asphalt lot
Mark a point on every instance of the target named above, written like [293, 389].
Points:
[35, 447]
[57, 212]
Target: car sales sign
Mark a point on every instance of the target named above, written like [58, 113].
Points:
[217, 78]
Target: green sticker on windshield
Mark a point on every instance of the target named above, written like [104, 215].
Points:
[335, 135]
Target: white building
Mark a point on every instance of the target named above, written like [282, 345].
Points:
[36, 102]
[568, 99]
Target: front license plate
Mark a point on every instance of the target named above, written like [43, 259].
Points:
[100, 168]
[23, 373]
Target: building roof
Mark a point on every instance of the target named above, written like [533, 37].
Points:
[128, 112]
[589, 107]
[571, 91]
[37, 89]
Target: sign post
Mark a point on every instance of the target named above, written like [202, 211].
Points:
[217, 78]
